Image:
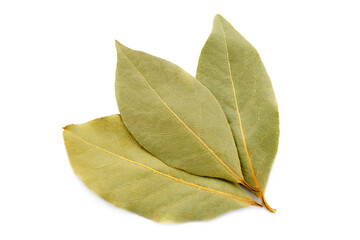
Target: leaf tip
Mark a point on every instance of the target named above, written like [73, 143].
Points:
[119, 47]
[218, 17]
[117, 44]
[66, 128]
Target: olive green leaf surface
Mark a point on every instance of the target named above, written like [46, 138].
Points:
[112, 164]
[232, 69]
[174, 116]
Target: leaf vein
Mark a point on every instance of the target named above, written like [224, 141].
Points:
[237, 107]
[184, 124]
[167, 175]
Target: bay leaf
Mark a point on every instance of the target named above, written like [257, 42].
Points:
[233, 71]
[174, 117]
[113, 165]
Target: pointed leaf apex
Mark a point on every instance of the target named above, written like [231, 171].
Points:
[120, 47]
[219, 17]
[118, 44]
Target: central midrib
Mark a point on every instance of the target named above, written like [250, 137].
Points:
[167, 175]
[185, 125]
[237, 108]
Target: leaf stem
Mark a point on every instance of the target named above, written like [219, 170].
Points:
[257, 204]
[245, 184]
[262, 198]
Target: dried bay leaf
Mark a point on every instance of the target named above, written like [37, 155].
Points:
[233, 71]
[113, 165]
[174, 117]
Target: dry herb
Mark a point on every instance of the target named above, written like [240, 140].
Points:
[183, 146]
[232, 69]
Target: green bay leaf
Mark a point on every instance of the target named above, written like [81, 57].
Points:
[233, 71]
[113, 165]
[174, 116]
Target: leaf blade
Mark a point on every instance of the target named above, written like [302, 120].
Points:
[232, 69]
[112, 164]
[144, 78]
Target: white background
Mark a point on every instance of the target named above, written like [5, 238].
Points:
[57, 66]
